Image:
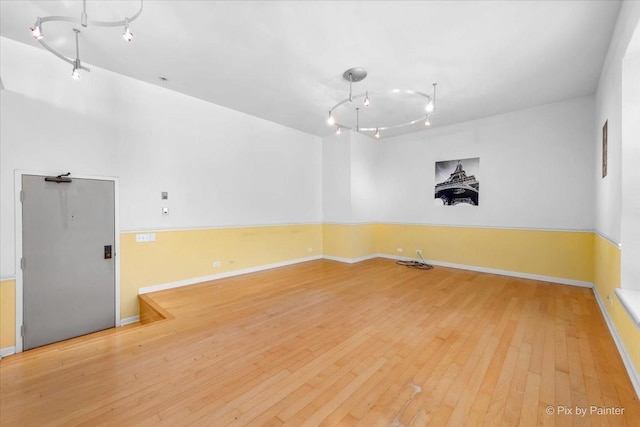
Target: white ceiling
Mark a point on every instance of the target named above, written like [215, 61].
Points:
[283, 60]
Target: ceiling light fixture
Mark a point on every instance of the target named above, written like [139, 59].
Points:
[127, 35]
[38, 33]
[354, 75]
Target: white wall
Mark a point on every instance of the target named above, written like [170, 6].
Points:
[630, 218]
[349, 178]
[364, 178]
[220, 167]
[535, 170]
[608, 191]
[617, 206]
[336, 178]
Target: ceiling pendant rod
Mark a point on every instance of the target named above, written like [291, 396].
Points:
[76, 65]
[350, 82]
[83, 15]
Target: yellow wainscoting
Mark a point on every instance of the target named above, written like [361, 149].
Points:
[7, 313]
[606, 279]
[558, 254]
[186, 254]
[349, 241]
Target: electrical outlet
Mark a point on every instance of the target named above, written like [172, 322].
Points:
[610, 300]
[146, 237]
[399, 250]
[217, 264]
[309, 249]
[418, 252]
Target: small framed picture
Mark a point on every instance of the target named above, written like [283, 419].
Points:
[604, 148]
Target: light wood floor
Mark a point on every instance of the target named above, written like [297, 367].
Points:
[324, 343]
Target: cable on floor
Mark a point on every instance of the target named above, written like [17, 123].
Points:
[420, 265]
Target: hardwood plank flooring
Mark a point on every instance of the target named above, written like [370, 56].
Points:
[330, 344]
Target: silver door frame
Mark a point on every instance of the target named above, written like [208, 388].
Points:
[18, 241]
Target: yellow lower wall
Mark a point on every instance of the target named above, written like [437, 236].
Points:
[7, 313]
[559, 254]
[349, 241]
[606, 279]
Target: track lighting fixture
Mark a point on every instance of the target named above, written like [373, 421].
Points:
[38, 34]
[341, 117]
[338, 130]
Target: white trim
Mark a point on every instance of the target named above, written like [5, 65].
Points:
[352, 223]
[490, 227]
[194, 280]
[292, 224]
[349, 260]
[634, 376]
[214, 227]
[630, 300]
[518, 274]
[7, 351]
[18, 253]
[7, 277]
[607, 238]
[129, 320]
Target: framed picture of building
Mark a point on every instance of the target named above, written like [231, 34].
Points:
[457, 182]
[605, 146]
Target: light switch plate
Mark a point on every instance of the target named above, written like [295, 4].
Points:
[165, 211]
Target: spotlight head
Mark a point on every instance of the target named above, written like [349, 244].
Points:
[338, 130]
[36, 31]
[127, 35]
[430, 107]
[427, 121]
[75, 74]
[366, 99]
[377, 134]
[331, 121]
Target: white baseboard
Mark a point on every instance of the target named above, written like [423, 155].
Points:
[539, 277]
[350, 260]
[195, 280]
[634, 376]
[129, 320]
[7, 351]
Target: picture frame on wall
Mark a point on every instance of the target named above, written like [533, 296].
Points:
[605, 146]
[457, 182]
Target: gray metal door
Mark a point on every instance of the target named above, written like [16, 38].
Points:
[68, 274]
